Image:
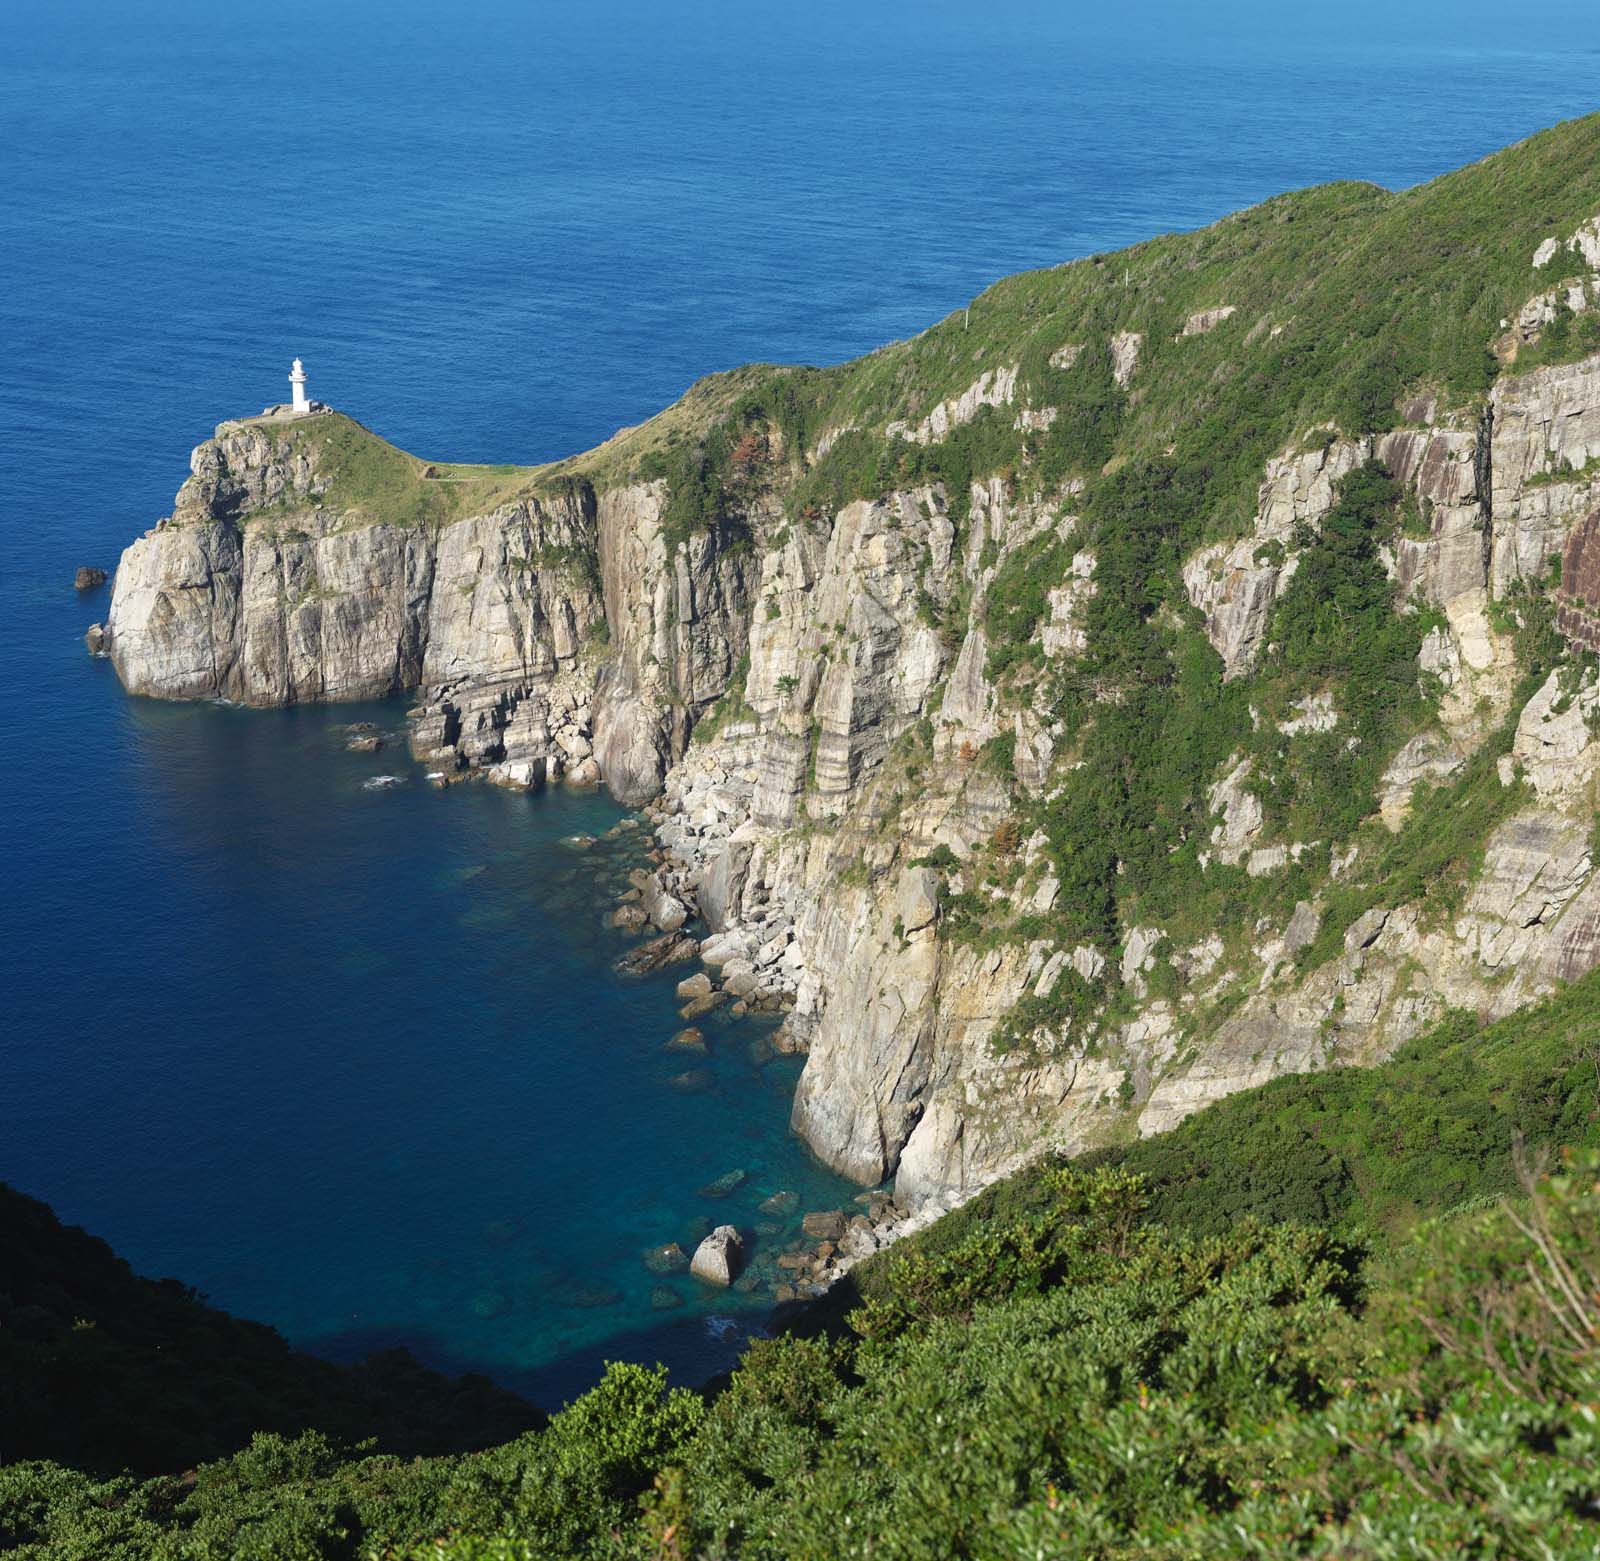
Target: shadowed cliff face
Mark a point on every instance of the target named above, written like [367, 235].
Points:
[852, 752]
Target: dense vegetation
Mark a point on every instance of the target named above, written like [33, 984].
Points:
[1237, 1339]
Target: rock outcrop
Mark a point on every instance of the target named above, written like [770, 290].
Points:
[718, 1258]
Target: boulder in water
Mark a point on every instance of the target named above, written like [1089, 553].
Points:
[718, 1259]
[780, 1205]
[690, 1040]
[826, 1225]
[89, 578]
[668, 949]
[696, 1006]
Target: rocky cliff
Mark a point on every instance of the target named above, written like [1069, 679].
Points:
[862, 639]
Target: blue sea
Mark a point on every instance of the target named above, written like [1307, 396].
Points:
[355, 1061]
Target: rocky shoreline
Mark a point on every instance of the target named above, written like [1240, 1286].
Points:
[750, 968]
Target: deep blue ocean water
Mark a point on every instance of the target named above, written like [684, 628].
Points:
[355, 1062]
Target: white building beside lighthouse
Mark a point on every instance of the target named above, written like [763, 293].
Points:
[297, 383]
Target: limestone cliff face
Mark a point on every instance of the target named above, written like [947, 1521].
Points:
[805, 844]
[260, 589]
[810, 708]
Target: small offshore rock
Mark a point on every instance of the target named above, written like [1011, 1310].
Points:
[670, 1259]
[690, 1040]
[94, 639]
[88, 578]
[363, 742]
[728, 1182]
[718, 1258]
[697, 985]
[780, 1205]
[663, 1299]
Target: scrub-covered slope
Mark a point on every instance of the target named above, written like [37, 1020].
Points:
[1148, 681]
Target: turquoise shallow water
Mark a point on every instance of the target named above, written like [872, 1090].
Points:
[359, 1062]
[355, 1062]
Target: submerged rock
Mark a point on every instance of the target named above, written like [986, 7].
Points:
[780, 1205]
[492, 1303]
[690, 1040]
[728, 1182]
[586, 1297]
[693, 1081]
[697, 1006]
[664, 1299]
[718, 1258]
[669, 1259]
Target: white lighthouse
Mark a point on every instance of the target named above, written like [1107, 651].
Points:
[297, 383]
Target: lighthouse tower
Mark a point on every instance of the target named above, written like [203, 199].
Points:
[297, 383]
